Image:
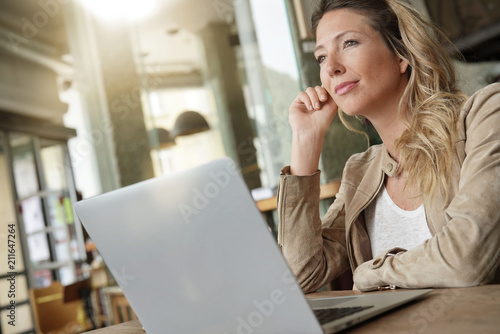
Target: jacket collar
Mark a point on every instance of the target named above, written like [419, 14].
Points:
[389, 166]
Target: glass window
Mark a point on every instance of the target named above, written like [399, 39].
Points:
[42, 185]
[53, 161]
[42, 278]
[11, 262]
[273, 80]
[192, 150]
[25, 174]
[7, 217]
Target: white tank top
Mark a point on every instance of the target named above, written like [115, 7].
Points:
[390, 226]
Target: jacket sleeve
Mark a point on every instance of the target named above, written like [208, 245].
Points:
[314, 250]
[466, 251]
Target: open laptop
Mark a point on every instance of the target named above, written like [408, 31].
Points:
[193, 254]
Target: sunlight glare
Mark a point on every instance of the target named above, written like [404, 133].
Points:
[113, 10]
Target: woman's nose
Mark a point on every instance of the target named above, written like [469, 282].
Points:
[334, 66]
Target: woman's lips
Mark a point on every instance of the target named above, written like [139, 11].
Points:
[344, 87]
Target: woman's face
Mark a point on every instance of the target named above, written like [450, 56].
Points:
[358, 70]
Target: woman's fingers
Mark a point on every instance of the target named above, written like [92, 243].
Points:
[312, 110]
[303, 98]
[322, 93]
[313, 98]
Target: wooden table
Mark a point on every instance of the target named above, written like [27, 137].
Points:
[466, 310]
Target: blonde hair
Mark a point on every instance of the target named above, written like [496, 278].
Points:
[431, 99]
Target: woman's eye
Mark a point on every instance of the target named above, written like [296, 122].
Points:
[320, 59]
[349, 43]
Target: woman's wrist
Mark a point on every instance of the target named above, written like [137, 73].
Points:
[306, 151]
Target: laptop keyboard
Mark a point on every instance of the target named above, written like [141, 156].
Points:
[330, 314]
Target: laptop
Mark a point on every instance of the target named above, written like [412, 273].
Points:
[193, 254]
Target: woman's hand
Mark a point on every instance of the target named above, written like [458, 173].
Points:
[310, 115]
[312, 111]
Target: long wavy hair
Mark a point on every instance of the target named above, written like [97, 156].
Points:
[431, 99]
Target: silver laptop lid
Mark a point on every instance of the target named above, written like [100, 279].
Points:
[193, 254]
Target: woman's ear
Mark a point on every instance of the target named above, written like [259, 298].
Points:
[403, 66]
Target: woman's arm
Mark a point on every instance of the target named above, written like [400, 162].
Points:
[315, 250]
[315, 254]
[310, 115]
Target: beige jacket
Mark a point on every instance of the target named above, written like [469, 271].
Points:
[465, 246]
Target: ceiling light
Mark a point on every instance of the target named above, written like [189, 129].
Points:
[189, 122]
[162, 136]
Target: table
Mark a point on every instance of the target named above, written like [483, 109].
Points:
[464, 310]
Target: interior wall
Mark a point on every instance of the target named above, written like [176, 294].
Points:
[29, 88]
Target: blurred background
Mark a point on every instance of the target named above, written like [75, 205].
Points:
[99, 94]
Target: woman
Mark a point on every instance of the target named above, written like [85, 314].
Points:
[420, 210]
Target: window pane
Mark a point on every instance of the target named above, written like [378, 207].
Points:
[67, 275]
[39, 248]
[42, 278]
[53, 165]
[25, 173]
